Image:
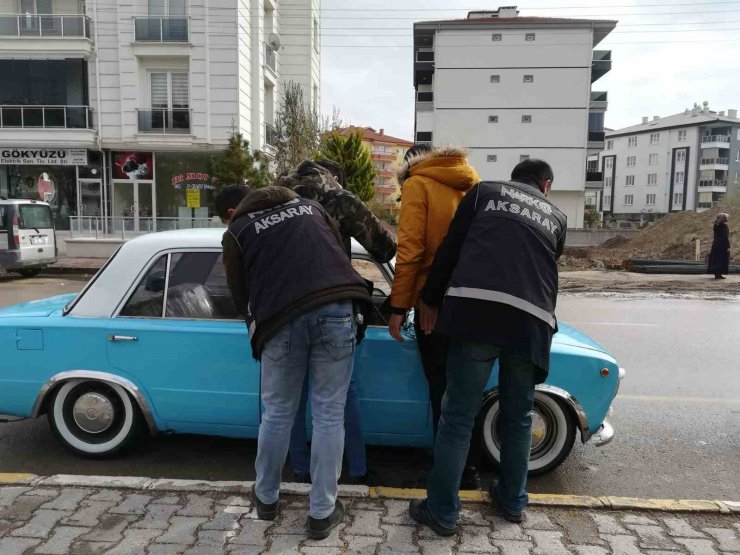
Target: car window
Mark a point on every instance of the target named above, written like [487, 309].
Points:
[147, 300]
[371, 272]
[35, 216]
[4, 218]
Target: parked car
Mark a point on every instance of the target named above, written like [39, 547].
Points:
[153, 342]
[27, 239]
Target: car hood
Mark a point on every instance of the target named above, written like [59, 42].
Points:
[40, 308]
[570, 336]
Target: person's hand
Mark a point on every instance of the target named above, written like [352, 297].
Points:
[427, 317]
[394, 326]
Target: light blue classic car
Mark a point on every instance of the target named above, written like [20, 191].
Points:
[154, 343]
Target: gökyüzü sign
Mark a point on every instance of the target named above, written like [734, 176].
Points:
[43, 156]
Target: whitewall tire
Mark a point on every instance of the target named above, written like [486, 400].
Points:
[553, 433]
[94, 418]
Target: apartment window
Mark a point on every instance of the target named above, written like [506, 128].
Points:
[609, 163]
[653, 159]
[608, 182]
[680, 177]
[609, 145]
[523, 157]
[737, 159]
[652, 179]
[529, 36]
[682, 135]
[607, 202]
[495, 78]
[316, 34]
[529, 78]
[169, 90]
[497, 37]
[424, 136]
[650, 200]
[677, 198]
[163, 7]
[654, 138]
[492, 119]
[632, 141]
[630, 181]
[631, 161]
[492, 158]
[526, 119]
[629, 200]
[316, 99]
[681, 156]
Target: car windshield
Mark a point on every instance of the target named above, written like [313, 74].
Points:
[35, 216]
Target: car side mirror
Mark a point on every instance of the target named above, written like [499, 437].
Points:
[155, 282]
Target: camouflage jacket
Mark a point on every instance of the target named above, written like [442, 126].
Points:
[353, 219]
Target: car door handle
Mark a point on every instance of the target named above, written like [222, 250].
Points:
[122, 338]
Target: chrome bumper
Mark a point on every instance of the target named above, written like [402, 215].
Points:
[603, 435]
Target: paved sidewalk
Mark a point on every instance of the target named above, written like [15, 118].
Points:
[62, 519]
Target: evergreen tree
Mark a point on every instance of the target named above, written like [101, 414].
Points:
[238, 164]
[358, 164]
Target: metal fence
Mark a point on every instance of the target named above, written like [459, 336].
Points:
[162, 120]
[161, 29]
[46, 117]
[99, 227]
[54, 26]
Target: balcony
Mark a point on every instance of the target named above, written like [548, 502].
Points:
[601, 64]
[596, 141]
[69, 35]
[271, 135]
[67, 126]
[715, 141]
[722, 164]
[599, 100]
[164, 121]
[162, 29]
[594, 180]
[270, 58]
[713, 186]
[383, 156]
[425, 97]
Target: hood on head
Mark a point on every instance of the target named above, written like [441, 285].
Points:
[263, 199]
[308, 174]
[448, 165]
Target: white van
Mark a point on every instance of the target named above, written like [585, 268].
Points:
[27, 239]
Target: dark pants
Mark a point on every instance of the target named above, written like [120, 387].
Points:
[434, 350]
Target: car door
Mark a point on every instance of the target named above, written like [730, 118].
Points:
[179, 334]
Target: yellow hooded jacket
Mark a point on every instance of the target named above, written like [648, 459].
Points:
[434, 183]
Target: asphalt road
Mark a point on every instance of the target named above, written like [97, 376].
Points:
[677, 417]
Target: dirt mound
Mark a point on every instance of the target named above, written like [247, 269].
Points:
[616, 242]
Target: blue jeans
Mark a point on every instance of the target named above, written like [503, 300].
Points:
[324, 341]
[468, 369]
[354, 442]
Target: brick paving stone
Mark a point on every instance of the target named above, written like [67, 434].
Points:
[590, 550]
[579, 528]
[474, 539]
[291, 522]
[334, 539]
[440, 546]
[607, 524]
[198, 505]
[652, 537]
[398, 539]
[660, 552]
[166, 500]
[107, 495]
[135, 541]
[68, 500]
[16, 546]
[169, 549]
[227, 518]
[253, 532]
[89, 513]
[9, 494]
[321, 550]
[134, 504]
[638, 519]
[538, 521]
[505, 530]
[622, 545]
[110, 529]
[211, 541]
[548, 543]
[41, 524]
[182, 530]
[698, 547]
[398, 513]
[23, 508]
[157, 517]
[7, 526]
[370, 504]
[362, 545]
[366, 524]
[235, 501]
[513, 547]
[91, 548]
[285, 545]
[681, 528]
[61, 540]
[474, 517]
[43, 492]
[727, 538]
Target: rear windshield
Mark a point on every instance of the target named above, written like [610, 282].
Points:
[35, 216]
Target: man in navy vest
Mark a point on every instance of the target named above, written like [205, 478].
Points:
[495, 277]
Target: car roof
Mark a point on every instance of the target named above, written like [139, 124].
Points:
[23, 201]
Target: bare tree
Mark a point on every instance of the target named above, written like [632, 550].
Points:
[298, 129]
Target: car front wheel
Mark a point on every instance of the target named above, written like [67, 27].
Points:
[94, 418]
[553, 433]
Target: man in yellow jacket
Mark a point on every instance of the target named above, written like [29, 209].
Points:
[433, 181]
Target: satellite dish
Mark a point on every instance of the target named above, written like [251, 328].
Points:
[274, 41]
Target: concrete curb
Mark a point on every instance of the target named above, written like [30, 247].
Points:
[535, 499]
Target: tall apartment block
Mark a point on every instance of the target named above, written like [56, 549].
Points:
[111, 109]
[509, 87]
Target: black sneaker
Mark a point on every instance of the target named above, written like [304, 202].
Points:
[320, 528]
[264, 511]
[370, 478]
[470, 479]
[302, 477]
[419, 512]
[511, 517]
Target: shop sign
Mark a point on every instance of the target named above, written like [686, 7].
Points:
[193, 181]
[133, 166]
[193, 198]
[43, 156]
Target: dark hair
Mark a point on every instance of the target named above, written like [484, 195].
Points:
[229, 197]
[533, 171]
[418, 148]
[335, 168]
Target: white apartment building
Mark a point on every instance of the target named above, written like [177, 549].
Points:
[111, 109]
[687, 161]
[509, 87]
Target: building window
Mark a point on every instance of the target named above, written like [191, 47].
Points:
[737, 159]
[653, 159]
[316, 98]
[607, 202]
[495, 78]
[680, 176]
[609, 163]
[629, 200]
[497, 37]
[677, 198]
[526, 119]
[608, 182]
[652, 179]
[654, 138]
[523, 157]
[632, 141]
[529, 36]
[492, 158]
[492, 119]
[316, 37]
[609, 145]
[650, 200]
[630, 181]
[681, 156]
[682, 135]
[529, 78]
[631, 161]
[424, 136]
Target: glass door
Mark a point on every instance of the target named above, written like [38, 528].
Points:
[90, 206]
[145, 207]
[122, 215]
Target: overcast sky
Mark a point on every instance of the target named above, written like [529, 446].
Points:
[667, 55]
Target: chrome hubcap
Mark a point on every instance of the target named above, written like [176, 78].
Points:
[93, 413]
[539, 430]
